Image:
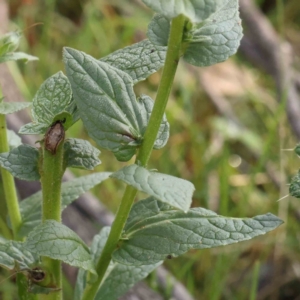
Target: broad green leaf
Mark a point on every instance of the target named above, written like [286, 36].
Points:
[9, 42]
[139, 60]
[52, 98]
[294, 188]
[195, 10]
[106, 101]
[33, 128]
[217, 38]
[37, 289]
[81, 154]
[14, 256]
[151, 238]
[53, 101]
[11, 107]
[31, 207]
[118, 278]
[17, 56]
[146, 106]
[21, 162]
[13, 139]
[158, 30]
[172, 190]
[57, 241]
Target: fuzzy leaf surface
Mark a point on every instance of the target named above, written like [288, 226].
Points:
[294, 187]
[158, 30]
[11, 107]
[195, 10]
[14, 256]
[13, 139]
[81, 154]
[17, 56]
[9, 42]
[146, 105]
[22, 162]
[31, 207]
[139, 60]
[53, 101]
[217, 38]
[162, 231]
[53, 97]
[172, 190]
[118, 279]
[57, 241]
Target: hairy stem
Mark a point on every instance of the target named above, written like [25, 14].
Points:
[51, 170]
[172, 58]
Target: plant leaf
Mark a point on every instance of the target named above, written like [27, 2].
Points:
[33, 128]
[31, 207]
[158, 30]
[13, 56]
[148, 240]
[11, 107]
[14, 256]
[294, 187]
[118, 279]
[9, 42]
[172, 190]
[81, 154]
[57, 241]
[21, 162]
[139, 60]
[13, 139]
[217, 38]
[195, 10]
[52, 98]
[106, 101]
[146, 106]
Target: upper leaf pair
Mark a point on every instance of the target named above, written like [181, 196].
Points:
[212, 35]
[8, 44]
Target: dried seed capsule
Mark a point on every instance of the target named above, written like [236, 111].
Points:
[54, 135]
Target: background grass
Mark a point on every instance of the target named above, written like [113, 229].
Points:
[226, 163]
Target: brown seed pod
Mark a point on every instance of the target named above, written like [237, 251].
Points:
[54, 135]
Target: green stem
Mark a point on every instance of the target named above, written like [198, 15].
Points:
[51, 171]
[9, 183]
[164, 89]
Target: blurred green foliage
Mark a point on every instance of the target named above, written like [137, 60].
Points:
[231, 165]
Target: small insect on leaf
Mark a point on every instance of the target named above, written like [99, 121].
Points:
[54, 135]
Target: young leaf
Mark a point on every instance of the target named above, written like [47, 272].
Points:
[9, 42]
[21, 162]
[81, 154]
[146, 106]
[17, 56]
[57, 241]
[139, 60]
[150, 239]
[195, 10]
[217, 38]
[158, 30]
[172, 190]
[11, 107]
[120, 278]
[33, 128]
[294, 188]
[31, 207]
[52, 100]
[13, 256]
[13, 139]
